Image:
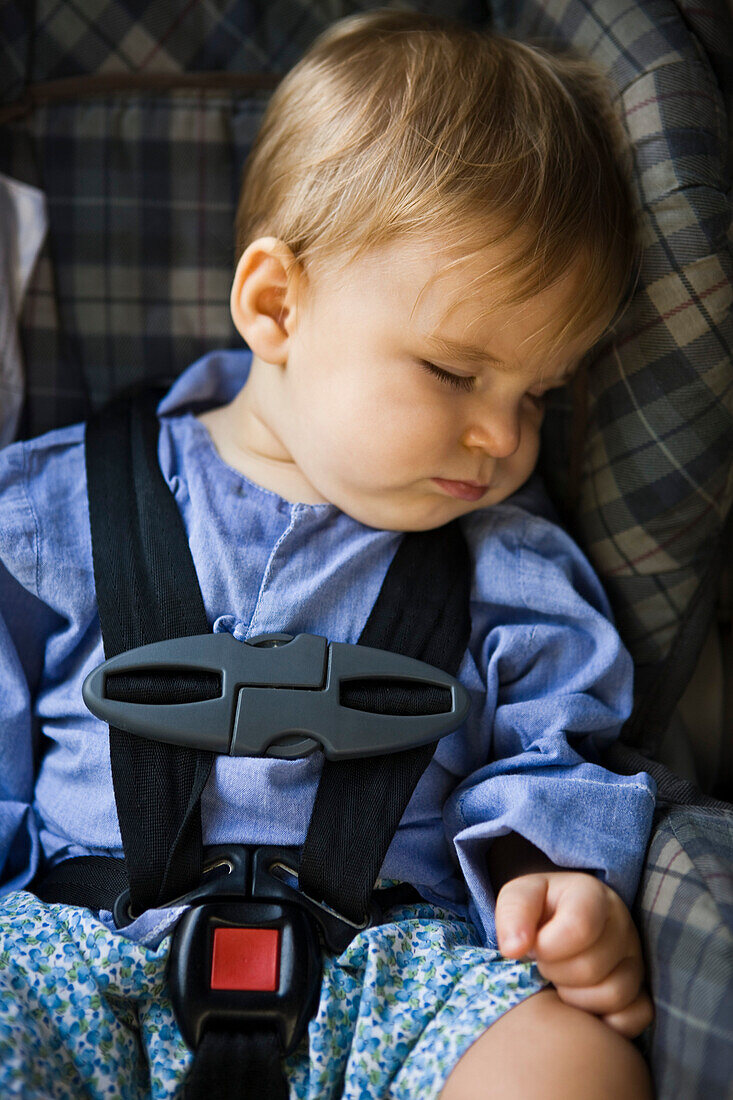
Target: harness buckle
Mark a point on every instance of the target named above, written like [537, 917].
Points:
[248, 951]
[245, 963]
[234, 872]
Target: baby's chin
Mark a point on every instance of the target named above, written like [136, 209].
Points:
[419, 510]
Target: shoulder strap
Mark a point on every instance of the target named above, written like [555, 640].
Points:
[147, 590]
[422, 610]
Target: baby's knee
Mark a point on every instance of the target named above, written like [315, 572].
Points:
[549, 1051]
[580, 1056]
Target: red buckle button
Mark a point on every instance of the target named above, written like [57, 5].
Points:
[246, 958]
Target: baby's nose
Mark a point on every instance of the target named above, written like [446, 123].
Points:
[497, 432]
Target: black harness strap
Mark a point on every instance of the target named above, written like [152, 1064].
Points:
[237, 1065]
[422, 611]
[147, 590]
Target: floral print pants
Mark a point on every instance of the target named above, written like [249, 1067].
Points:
[85, 1015]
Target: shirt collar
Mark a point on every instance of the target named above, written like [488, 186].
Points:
[214, 379]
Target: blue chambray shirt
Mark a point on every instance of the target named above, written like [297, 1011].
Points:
[549, 680]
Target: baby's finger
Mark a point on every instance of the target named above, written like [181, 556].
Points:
[633, 1019]
[581, 910]
[591, 966]
[519, 910]
[616, 992]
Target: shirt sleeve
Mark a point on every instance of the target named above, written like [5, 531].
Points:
[24, 621]
[558, 688]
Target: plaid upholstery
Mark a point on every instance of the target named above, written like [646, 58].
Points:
[141, 218]
[685, 912]
[656, 483]
[84, 37]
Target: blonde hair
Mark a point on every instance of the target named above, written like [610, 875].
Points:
[397, 124]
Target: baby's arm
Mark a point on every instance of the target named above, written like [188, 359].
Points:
[26, 624]
[577, 929]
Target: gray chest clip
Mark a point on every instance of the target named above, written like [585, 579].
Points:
[279, 696]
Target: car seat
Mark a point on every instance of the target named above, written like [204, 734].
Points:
[133, 120]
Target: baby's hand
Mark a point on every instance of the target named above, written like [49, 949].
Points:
[583, 939]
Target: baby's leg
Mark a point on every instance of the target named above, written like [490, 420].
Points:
[545, 1050]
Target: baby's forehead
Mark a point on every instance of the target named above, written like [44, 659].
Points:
[453, 274]
[465, 303]
[458, 310]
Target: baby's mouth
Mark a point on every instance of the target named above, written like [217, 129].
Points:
[462, 490]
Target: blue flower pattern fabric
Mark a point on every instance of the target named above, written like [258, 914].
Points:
[398, 1008]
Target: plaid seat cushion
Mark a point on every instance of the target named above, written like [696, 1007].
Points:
[157, 36]
[685, 912]
[655, 484]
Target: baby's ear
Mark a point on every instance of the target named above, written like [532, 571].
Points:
[263, 298]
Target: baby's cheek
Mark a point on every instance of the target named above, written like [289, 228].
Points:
[395, 438]
[525, 458]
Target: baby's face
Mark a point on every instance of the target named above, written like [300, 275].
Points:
[402, 418]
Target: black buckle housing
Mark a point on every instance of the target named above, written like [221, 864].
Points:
[279, 696]
[233, 872]
[287, 1008]
[251, 888]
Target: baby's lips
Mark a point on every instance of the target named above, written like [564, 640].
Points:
[462, 490]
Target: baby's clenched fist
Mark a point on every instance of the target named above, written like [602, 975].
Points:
[584, 941]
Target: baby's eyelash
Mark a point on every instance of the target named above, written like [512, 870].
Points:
[457, 381]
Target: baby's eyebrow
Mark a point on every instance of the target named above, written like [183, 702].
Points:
[468, 353]
[476, 356]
